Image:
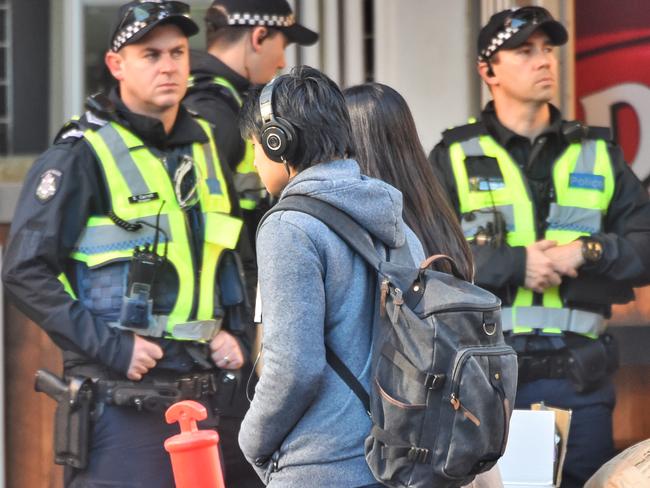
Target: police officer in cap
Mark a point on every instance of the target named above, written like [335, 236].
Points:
[246, 40]
[558, 224]
[121, 249]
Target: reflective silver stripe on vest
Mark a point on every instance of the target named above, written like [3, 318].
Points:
[587, 159]
[198, 330]
[576, 219]
[471, 222]
[99, 239]
[471, 147]
[209, 162]
[122, 155]
[247, 182]
[568, 320]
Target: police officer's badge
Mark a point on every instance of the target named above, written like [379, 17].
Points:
[48, 185]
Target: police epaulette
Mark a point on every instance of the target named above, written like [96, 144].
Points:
[75, 128]
[575, 131]
[594, 132]
[463, 132]
[71, 130]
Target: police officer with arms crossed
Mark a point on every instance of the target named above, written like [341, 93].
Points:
[121, 250]
[246, 40]
[559, 227]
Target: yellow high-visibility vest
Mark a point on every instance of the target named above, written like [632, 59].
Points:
[131, 169]
[583, 181]
[246, 180]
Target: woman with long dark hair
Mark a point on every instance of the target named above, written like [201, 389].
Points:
[387, 147]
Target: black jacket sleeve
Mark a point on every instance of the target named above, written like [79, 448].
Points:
[43, 233]
[626, 236]
[496, 267]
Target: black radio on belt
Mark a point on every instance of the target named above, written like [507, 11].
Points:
[137, 305]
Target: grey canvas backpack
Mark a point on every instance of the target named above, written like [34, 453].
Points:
[443, 381]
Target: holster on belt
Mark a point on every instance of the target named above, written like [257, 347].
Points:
[590, 363]
[157, 394]
[75, 401]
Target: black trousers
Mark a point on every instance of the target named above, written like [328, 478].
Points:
[127, 451]
[239, 473]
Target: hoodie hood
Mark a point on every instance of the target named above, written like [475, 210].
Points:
[373, 204]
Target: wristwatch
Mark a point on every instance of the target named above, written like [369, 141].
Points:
[592, 250]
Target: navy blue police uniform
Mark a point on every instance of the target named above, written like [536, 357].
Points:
[545, 373]
[63, 189]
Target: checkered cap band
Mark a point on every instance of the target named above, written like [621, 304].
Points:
[127, 33]
[497, 41]
[261, 19]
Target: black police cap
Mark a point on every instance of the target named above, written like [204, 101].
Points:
[135, 19]
[268, 13]
[509, 29]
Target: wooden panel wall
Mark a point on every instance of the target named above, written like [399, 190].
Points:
[632, 415]
[29, 415]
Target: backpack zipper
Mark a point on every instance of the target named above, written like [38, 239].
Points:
[466, 307]
[454, 398]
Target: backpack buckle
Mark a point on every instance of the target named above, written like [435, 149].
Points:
[434, 381]
[489, 323]
[418, 455]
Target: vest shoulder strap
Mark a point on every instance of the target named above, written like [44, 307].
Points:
[463, 132]
[594, 132]
[206, 83]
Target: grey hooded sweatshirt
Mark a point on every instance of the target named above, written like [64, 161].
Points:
[305, 427]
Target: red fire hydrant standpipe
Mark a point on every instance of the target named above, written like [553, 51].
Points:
[194, 452]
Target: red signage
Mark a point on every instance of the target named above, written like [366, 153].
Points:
[613, 74]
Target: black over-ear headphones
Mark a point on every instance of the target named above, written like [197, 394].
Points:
[278, 137]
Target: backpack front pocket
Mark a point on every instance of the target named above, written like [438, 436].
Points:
[398, 416]
[479, 404]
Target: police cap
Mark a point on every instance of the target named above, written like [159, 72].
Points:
[509, 29]
[269, 13]
[135, 19]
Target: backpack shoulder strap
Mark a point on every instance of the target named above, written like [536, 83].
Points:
[348, 378]
[341, 223]
[359, 240]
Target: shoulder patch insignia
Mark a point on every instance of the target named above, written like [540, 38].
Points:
[48, 185]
